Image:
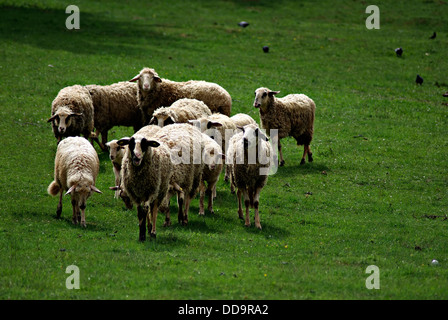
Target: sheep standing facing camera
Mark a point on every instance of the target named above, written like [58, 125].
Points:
[155, 92]
[145, 177]
[115, 105]
[249, 157]
[180, 111]
[72, 113]
[292, 115]
[75, 171]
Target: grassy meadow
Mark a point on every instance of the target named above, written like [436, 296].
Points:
[376, 193]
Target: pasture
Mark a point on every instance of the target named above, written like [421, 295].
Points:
[376, 193]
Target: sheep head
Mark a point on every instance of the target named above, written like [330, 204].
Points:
[138, 147]
[63, 118]
[147, 79]
[262, 97]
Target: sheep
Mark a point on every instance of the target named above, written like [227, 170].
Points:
[116, 153]
[242, 119]
[72, 113]
[75, 170]
[249, 158]
[213, 164]
[115, 105]
[180, 112]
[146, 173]
[292, 115]
[220, 127]
[155, 92]
[185, 143]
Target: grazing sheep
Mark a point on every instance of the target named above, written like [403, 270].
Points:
[242, 119]
[249, 157]
[115, 105]
[72, 113]
[213, 164]
[145, 177]
[292, 115]
[185, 143]
[75, 170]
[155, 92]
[180, 112]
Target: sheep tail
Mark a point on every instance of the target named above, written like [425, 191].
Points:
[53, 188]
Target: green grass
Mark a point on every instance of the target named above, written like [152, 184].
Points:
[381, 140]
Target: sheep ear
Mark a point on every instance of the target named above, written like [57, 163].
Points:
[153, 121]
[123, 141]
[52, 118]
[261, 134]
[213, 124]
[153, 143]
[135, 78]
[195, 123]
[157, 79]
[71, 189]
[272, 93]
[93, 188]
[115, 188]
[241, 128]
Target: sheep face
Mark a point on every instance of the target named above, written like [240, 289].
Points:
[79, 193]
[63, 118]
[138, 147]
[115, 150]
[213, 157]
[251, 134]
[262, 97]
[162, 119]
[147, 79]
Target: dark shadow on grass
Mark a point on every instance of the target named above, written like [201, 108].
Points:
[98, 34]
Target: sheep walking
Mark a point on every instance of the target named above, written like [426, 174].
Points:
[292, 115]
[145, 177]
[115, 105]
[155, 92]
[75, 171]
[250, 156]
[72, 113]
[180, 111]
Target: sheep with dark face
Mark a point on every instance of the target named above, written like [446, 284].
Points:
[72, 113]
[75, 171]
[155, 92]
[145, 177]
[292, 115]
[249, 158]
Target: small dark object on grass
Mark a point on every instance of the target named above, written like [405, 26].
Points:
[399, 52]
[419, 80]
[266, 49]
[434, 35]
[445, 94]
[243, 24]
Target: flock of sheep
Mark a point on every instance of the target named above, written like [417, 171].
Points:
[184, 138]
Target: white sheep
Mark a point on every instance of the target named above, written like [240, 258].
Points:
[292, 115]
[115, 105]
[145, 177]
[155, 92]
[213, 164]
[185, 144]
[249, 158]
[242, 119]
[180, 111]
[75, 170]
[72, 113]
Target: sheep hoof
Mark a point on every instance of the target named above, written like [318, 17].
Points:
[302, 162]
[226, 179]
[258, 226]
[142, 237]
[240, 215]
[310, 158]
[153, 235]
[167, 223]
[201, 213]
[83, 224]
[282, 163]
[247, 225]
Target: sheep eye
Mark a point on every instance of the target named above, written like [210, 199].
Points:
[264, 94]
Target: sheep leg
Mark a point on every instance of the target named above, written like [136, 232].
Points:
[256, 203]
[226, 175]
[148, 218]
[247, 205]
[305, 150]
[310, 154]
[187, 207]
[59, 208]
[209, 193]
[141, 214]
[83, 216]
[104, 140]
[240, 206]
[201, 198]
[214, 191]
[116, 168]
[282, 161]
[154, 210]
[75, 207]
[180, 204]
